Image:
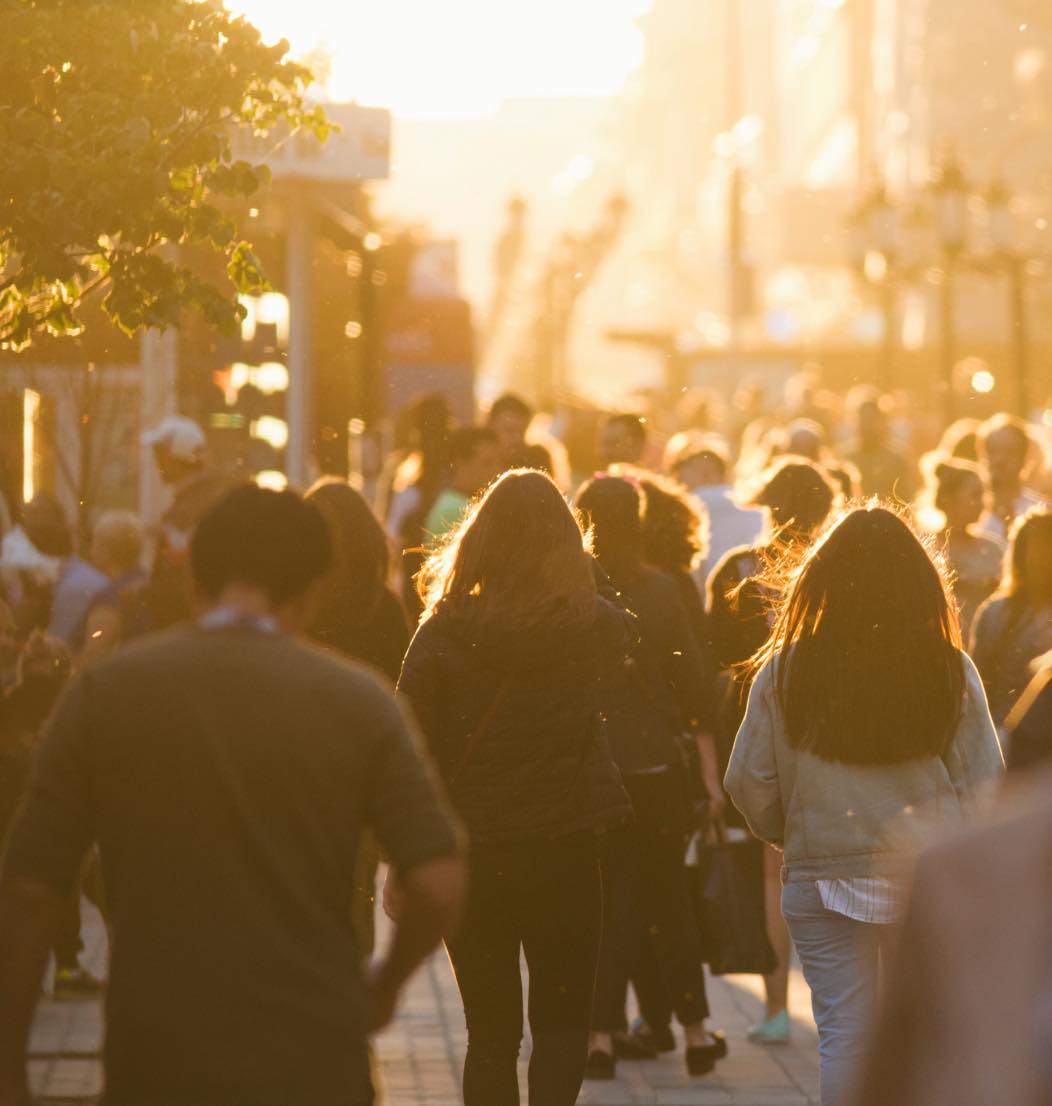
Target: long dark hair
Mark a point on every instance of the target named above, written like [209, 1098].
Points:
[868, 669]
[360, 560]
[519, 560]
[613, 507]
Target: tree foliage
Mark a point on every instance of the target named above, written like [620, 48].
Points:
[116, 126]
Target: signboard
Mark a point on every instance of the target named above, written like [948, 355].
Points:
[429, 347]
[358, 149]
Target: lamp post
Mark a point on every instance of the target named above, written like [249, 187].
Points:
[1003, 231]
[874, 243]
[950, 194]
[884, 233]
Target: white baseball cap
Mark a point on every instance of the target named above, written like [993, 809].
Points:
[182, 437]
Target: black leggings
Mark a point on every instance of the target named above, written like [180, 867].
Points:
[647, 912]
[542, 897]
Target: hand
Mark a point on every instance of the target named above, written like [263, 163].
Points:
[392, 899]
[383, 1000]
[717, 801]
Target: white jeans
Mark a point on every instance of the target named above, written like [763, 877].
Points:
[841, 961]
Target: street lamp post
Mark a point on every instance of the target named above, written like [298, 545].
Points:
[875, 247]
[950, 192]
[1002, 227]
[883, 220]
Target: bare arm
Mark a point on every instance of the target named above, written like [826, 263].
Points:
[431, 896]
[29, 918]
[710, 774]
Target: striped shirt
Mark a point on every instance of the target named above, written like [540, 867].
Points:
[869, 899]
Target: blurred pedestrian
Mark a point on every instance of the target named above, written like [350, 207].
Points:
[415, 474]
[1028, 727]
[1007, 451]
[116, 550]
[702, 464]
[960, 440]
[866, 729]
[623, 440]
[798, 497]
[886, 473]
[473, 462]
[77, 582]
[180, 453]
[1014, 626]
[959, 1026]
[503, 674]
[509, 418]
[360, 617]
[226, 772]
[661, 695]
[959, 494]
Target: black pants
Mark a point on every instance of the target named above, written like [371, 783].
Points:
[542, 897]
[647, 912]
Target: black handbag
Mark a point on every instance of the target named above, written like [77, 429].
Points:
[728, 885]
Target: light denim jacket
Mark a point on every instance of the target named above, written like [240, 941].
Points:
[838, 821]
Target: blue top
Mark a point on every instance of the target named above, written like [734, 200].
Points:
[77, 586]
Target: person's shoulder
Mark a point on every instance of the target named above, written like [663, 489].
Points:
[666, 592]
[613, 620]
[736, 564]
[992, 612]
[439, 632]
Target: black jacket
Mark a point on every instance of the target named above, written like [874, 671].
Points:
[666, 688]
[512, 721]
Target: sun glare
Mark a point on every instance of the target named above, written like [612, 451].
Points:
[459, 58]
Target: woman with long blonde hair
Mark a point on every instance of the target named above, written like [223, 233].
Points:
[503, 675]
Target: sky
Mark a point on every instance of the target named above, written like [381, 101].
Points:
[459, 58]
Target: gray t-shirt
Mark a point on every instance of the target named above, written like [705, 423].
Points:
[227, 775]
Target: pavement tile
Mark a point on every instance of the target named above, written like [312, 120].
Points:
[420, 1056]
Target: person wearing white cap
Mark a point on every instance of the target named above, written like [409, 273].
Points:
[180, 450]
[178, 445]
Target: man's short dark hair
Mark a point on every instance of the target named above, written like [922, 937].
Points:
[1002, 421]
[270, 540]
[510, 404]
[633, 425]
[466, 441]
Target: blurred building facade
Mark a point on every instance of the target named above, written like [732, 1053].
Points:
[755, 128]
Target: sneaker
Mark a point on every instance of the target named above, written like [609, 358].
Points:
[70, 982]
[773, 1031]
[600, 1065]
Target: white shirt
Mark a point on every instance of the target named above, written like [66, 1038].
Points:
[730, 526]
[865, 899]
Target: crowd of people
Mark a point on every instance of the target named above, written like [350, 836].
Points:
[808, 627]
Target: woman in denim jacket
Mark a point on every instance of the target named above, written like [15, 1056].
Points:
[867, 728]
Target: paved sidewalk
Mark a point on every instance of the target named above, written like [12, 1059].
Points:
[421, 1055]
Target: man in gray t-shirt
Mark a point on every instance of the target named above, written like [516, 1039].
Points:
[226, 771]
